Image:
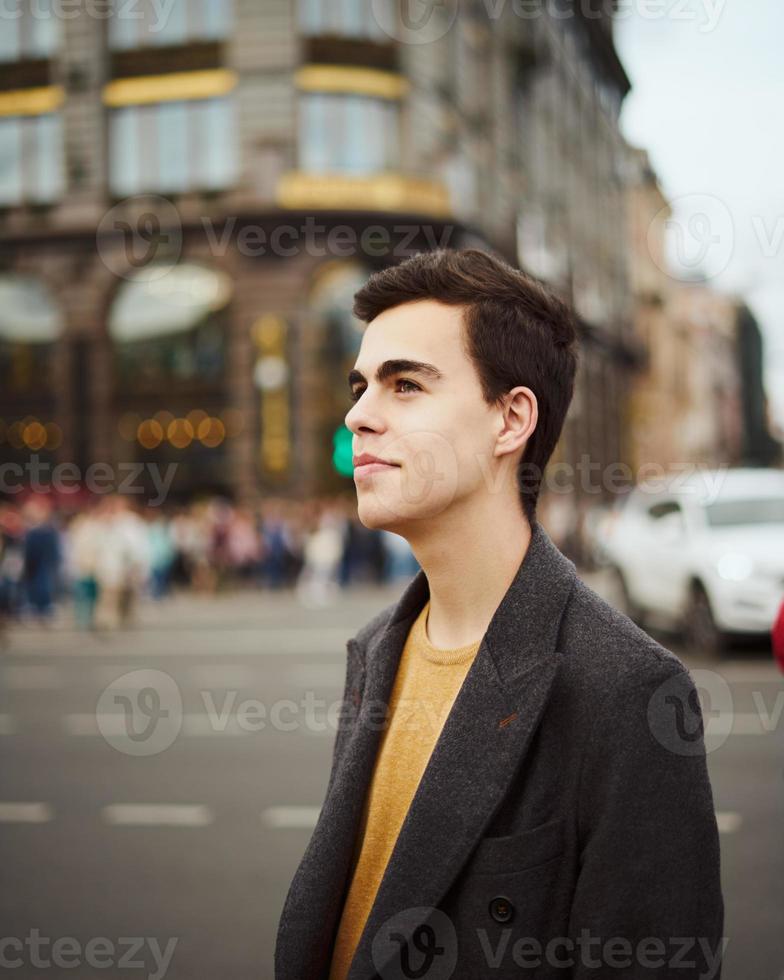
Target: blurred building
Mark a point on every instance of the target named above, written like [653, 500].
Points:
[699, 396]
[659, 402]
[711, 431]
[760, 446]
[188, 204]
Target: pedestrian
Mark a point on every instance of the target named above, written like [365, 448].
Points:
[84, 543]
[318, 580]
[519, 769]
[161, 551]
[123, 563]
[11, 563]
[42, 554]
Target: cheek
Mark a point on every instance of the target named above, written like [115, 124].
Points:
[443, 452]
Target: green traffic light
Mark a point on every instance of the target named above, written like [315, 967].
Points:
[342, 454]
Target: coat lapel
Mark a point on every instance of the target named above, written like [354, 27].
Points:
[481, 746]
[315, 899]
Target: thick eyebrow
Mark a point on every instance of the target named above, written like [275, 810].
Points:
[389, 369]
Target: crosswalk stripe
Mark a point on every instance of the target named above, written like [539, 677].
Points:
[230, 677]
[194, 725]
[317, 675]
[740, 723]
[157, 814]
[291, 816]
[257, 641]
[7, 724]
[728, 821]
[30, 677]
[25, 813]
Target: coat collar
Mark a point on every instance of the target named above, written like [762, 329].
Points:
[481, 746]
[529, 614]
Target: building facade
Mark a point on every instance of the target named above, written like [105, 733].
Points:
[187, 206]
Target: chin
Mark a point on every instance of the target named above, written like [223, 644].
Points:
[372, 513]
[376, 515]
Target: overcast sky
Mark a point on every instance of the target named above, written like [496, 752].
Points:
[707, 103]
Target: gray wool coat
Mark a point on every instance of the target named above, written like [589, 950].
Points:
[564, 825]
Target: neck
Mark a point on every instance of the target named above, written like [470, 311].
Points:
[470, 556]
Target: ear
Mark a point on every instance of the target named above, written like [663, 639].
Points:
[519, 415]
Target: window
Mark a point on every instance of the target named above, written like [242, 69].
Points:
[169, 329]
[28, 31]
[745, 513]
[31, 159]
[347, 18]
[350, 134]
[664, 509]
[30, 325]
[173, 146]
[148, 24]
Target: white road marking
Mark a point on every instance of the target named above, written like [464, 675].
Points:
[230, 677]
[739, 723]
[301, 817]
[216, 641]
[751, 723]
[7, 724]
[87, 724]
[194, 725]
[25, 813]
[157, 815]
[200, 725]
[749, 674]
[316, 675]
[30, 677]
[129, 678]
[728, 821]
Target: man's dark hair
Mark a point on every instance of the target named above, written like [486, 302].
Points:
[516, 332]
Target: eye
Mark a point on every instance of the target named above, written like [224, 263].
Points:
[357, 393]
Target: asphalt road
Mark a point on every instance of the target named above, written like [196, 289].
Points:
[168, 852]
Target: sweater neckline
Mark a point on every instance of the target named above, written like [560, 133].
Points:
[456, 655]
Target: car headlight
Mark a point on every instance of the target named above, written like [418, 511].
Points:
[735, 567]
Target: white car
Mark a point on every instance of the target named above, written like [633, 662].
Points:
[703, 552]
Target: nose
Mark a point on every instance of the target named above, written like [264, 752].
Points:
[361, 416]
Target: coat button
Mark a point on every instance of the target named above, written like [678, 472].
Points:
[502, 909]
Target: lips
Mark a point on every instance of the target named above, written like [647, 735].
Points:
[367, 459]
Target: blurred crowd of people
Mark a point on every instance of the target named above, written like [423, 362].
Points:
[109, 553]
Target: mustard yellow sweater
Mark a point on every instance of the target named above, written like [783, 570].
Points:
[426, 685]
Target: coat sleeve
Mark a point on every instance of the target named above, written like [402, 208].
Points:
[648, 901]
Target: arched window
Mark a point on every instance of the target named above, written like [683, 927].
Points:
[30, 325]
[169, 330]
[332, 300]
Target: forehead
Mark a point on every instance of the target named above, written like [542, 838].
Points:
[423, 331]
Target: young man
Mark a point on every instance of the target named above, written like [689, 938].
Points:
[519, 784]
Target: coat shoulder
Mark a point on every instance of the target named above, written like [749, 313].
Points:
[603, 645]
